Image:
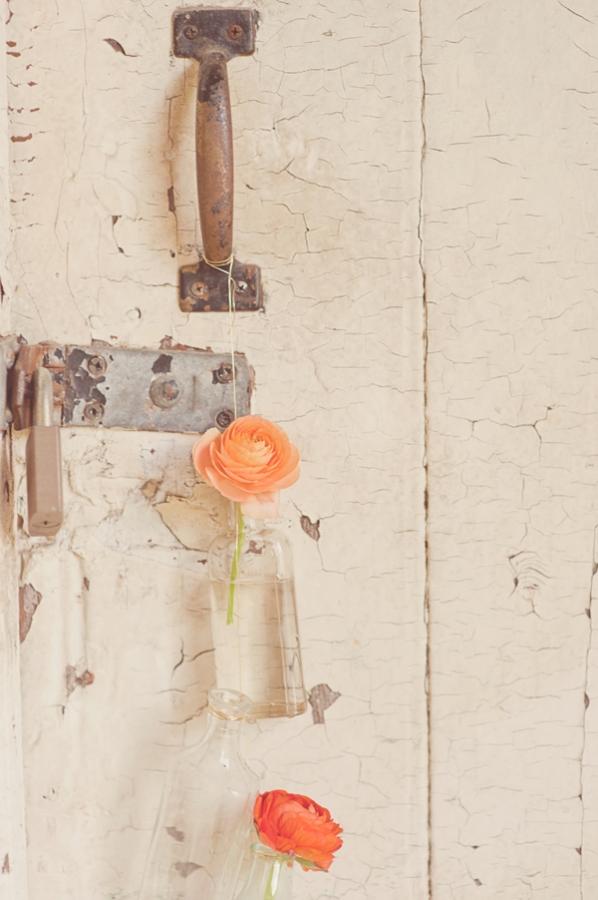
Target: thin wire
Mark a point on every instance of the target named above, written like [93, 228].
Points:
[232, 311]
[239, 521]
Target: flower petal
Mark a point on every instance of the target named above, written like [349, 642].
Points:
[200, 452]
[261, 506]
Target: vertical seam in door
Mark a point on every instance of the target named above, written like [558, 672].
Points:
[586, 703]
[426, 491]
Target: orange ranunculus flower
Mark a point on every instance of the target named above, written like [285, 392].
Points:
[248, 463]
[295, 825]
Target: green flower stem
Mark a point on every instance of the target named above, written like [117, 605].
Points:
[273, 879]
[234, 568]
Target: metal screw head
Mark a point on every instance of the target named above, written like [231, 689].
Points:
[190, 32]
[93, 411]
[165, 391]
[224, 418]
[235, 32]
[96, 366]
[241, 286]
[198, 290]
[223, 374]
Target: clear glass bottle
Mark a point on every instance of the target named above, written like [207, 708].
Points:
[269, 878]
[254, 617]
[205, 818]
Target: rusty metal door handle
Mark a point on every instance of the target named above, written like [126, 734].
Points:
[214, 159]
[213, 37]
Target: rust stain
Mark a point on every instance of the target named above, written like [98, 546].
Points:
[321, 697]
[168, 343]
[6, 865]
[171, 201]
[73, 680]
[163, 364]
[29, 600]
[19, 138]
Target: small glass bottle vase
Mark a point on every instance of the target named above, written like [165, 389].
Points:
[205, 817]
[269, 878]
[254, 617]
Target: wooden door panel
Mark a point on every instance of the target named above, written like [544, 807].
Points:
[327, 140]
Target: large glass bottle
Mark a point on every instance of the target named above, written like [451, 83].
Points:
[254, 617]
[204, 821]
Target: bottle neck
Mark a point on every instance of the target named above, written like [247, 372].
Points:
[225, 734]
[250, 523]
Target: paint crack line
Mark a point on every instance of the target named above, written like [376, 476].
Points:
[426, 434]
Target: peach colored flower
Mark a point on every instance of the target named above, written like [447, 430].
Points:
[248, 463]
[295, 825]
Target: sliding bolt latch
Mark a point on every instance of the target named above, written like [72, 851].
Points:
[44, 463]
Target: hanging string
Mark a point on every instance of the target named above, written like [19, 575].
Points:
[239, 519]
[220, 267]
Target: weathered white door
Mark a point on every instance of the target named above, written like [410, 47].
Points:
[116, 661]
[417, 183]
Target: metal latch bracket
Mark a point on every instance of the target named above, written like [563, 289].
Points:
[172, 389]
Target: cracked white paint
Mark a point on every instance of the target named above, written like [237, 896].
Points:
[510, 257]
[327, 140]
[354, 188]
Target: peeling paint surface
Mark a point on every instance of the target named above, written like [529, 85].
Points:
[510, 262]
[327, 142]
[417, 185]
[29, 600]
[321, 698]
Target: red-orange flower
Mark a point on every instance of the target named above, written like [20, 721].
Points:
[296, 825]
[248, 463]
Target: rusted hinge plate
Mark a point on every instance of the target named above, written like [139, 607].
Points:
[177, 390]
[231, 32]
[202, 288]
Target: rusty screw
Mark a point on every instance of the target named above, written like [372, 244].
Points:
[93, 412]
[224, 418]
[198, 290]
[165, 391]
[223, 374]
[190, 32]
[235, 32]
[96, 366]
